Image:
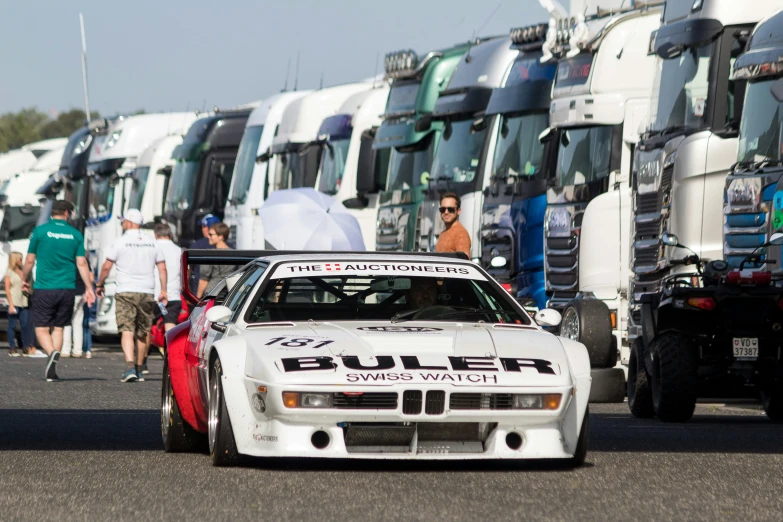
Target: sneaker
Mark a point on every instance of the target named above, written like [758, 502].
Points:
[129, 375]
[51, 367]
[144, 369]
[38, 355]
[65, 354]
[88, 355]
[13, 353]
[140, 376]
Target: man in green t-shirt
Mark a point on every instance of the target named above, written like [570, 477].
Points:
[58, 249]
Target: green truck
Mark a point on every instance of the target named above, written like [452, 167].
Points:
[408, 130]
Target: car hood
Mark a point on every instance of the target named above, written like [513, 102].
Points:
[384, 353]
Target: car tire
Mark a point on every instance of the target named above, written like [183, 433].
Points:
[222, 445]
[594, 323]
[580, 453]
[639, 393]
[178, 435]
[772, 401]
[673, 382]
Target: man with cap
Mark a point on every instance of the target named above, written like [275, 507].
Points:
[58, 250]
[202, 242]
[136, 256]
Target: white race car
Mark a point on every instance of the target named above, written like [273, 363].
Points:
[372, 356]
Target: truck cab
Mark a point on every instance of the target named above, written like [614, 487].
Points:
[23, 158]
[250, 182]
[347, 157]
[150, 179]
[201, 177]
[600, 98]
[113, 159]
[411, 136]
[456, 166]
[512, 216]
[685, 155]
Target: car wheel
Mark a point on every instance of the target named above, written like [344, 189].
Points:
[639, 394]
[222, 445]
[673, 377]
[589, 322]
[772, 400]
[177, 434]
[580, 454]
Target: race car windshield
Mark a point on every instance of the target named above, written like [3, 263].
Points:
[760, 129]
[383, 298]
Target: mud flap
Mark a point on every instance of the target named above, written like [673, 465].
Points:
[608, 385]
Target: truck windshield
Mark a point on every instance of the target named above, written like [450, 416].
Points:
[681, 90]
[402, 98]
[246, 162]
[289, 167]
[74, 192]
[19, 222]
[333, 166]
[406, 166]
[457, 156]
[139, 185]
[517, 151]
[101, 198]
[760, 130]
[182, 187]
[584, 155]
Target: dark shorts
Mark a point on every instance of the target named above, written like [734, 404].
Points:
[173, 308]
[52, 308]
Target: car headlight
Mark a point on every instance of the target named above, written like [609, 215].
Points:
[112, 140]
[307, 400]
[536, 402]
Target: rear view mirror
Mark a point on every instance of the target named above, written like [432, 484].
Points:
[546, 317]
[391, 285]
[424, 123]
[777, 90]
[776, 239]
[672, 240]
[218, 314]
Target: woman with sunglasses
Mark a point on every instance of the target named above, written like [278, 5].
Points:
[213, 274]
[455, 238]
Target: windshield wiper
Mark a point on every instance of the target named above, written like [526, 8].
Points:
[455, 310]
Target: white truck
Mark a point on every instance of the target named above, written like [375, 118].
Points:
[350, 170]
[600, 98]
[23, 158]
[150, 178]
[691, 143]
[250, 183]
[113, 158]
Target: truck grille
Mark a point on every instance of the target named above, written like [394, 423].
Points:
[480, 401]
[646, 257]
[647, 203]
[366, 401]
[436, 402]
[650, 230]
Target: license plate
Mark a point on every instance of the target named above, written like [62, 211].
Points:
[746, 348]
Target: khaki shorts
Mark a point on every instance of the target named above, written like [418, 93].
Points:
[134, 313]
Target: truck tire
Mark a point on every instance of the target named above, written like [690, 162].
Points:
[222, 445]
[580, 453]
[588, 321]
[178, 435]
[608, 385]
[639, 393]
[772, 400]
[673, 377]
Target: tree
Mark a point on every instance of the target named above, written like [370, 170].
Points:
[29, 125]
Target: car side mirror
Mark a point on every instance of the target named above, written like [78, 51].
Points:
[546, 317]
[218, 314]
[777, 90]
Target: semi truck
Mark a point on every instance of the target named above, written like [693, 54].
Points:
[512, 215]
[691, 143]
[600, 98]
[351, 170]
[201, 177]
[250, 182]
[151, 176]
[411, 136]
[23, 158]
[113, 158]
[456, 165]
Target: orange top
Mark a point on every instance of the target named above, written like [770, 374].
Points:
[454, 239]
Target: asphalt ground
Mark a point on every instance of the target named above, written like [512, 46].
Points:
[89, 448]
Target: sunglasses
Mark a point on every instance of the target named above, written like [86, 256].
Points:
[450, 210]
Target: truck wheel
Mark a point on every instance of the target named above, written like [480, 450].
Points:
[222, 445]
[772, 400]
[177, 434]
[580, 454]
[639, 394]
[673, 377]
[588, 321]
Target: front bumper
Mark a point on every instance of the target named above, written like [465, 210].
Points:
[279, 431]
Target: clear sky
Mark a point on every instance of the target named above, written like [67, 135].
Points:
[163, 55]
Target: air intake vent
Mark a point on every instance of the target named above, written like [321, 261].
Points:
[366, 401]
[411, 402]
[480, 401]
[436, 402]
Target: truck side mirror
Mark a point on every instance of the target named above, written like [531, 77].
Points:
[262, 158]
[546, 135]
[365, 168]
[777, 90]
[670, 240]
[424, 123]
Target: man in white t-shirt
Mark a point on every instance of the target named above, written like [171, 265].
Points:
[173, 257]
[136, 255]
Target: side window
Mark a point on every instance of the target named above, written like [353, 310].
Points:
[242, 290]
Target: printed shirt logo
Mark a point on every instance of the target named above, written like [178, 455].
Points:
[58, 235]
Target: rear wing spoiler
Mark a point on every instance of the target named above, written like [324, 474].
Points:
[191, 257]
